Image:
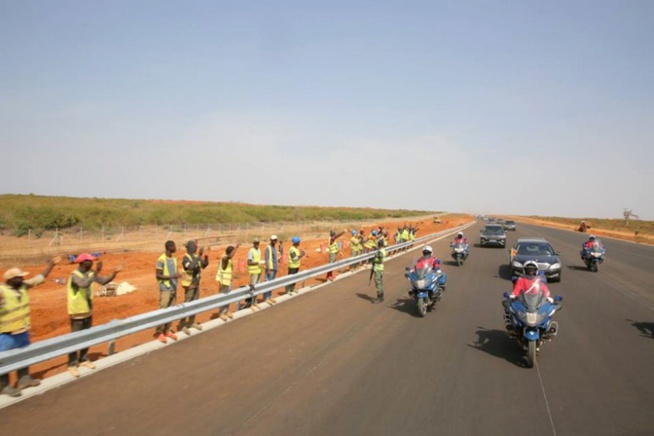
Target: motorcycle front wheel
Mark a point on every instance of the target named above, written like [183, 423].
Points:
[458, 261]
[422, 306]
[531, 354]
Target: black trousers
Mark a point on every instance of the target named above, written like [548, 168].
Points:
[77, 357]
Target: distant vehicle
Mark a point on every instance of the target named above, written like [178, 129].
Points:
[541, 252]
[437, 220]
[510, 225]
[490, 220]
[492, 234]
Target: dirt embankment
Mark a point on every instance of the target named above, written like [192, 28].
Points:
[48, 301]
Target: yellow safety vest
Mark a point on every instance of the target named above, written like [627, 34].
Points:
[166, 272]
[333, 248]
[412, 236]
[188, 274]
[78, 303]
[355, 244]
[269, 257]
[256, 257]
[405, 235]
[224, 276]
[378, 261]
[370, 243]
[294, 252]
[15, 313]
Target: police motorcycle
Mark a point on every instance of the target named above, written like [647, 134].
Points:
[459, 252]
[593, 256]
[529, 318]
[427, 285]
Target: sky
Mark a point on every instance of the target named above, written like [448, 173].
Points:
[480, 106]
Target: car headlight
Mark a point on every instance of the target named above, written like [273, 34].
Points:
[555, 266]
[516, 264]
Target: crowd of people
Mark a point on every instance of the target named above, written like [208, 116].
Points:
[14, 297]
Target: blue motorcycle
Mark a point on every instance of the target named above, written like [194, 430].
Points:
[427, 287]
[529, 320]
[593, 256]
[459, 252]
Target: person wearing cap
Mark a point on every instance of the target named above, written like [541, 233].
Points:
[294, 256]
[80, 304]
[225, 279]
[355, 246]
[254, 270]
[15, 320]
[167, 275]
[333, 250]
[272, 265]
[192, 265]
[378, 269]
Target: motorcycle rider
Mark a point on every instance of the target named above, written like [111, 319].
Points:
[460, 239]
[428, 260]
[586, 246]
[530, 282]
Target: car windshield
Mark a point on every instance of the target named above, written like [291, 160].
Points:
[493, 230]
[510, 222]
[535, 249]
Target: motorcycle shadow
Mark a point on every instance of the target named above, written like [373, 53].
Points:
[497, 343]
[577, 268]
[449, 263]
[406, 305]
[504, 272]
[645, 328]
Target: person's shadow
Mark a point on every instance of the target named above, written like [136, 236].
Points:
[645, 328]
[497, 343]
[366, 297]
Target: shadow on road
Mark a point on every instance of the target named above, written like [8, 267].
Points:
[498, 344]
[645, 328]
[450, 263]
[577, 268]
[366, 297]
[406, 305]
[504, 272]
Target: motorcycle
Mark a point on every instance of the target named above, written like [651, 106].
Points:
[593, 256]
[427, 286]
[529, 320]
[459, 252]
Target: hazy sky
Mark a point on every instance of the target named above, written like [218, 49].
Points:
[526, 107]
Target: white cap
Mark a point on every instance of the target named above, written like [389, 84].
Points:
[273, 238]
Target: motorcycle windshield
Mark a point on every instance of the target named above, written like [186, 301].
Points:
[458, 247]
[597, 247]
[422, 271]
[534, 297]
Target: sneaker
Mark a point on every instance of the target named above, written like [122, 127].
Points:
[196, 326]
[171, 335]
[186, 331]
[223, 317]
[27, 381]
[331, 279]
[230, 315]
[11, 391]
[88, 364]
[162, 338]
[73, 371]
[271, 301]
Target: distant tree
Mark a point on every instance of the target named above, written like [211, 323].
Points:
[628, 214]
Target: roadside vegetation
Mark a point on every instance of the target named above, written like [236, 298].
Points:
[632, 226]
[22, 213]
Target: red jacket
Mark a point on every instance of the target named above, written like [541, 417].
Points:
[525, 284]
[428, 261]
[463, 240]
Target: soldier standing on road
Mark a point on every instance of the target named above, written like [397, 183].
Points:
[167, 276]
[378, 268]
[294, 256]
[333, 250]
[225, 277]
[15, 320]
[193, 264]
[80, 304]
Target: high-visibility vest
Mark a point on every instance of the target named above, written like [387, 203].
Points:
[256, 257]
[412, 236]
[333, 247]
[15, 312]
[188, 273]
[355, 243]
[370, 243]
[405, 235]
[78, 302]
[271, 258]
[163, 259]
[378, 260]
[294, 252]
[224, 276]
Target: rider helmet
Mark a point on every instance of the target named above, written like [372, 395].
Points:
[295, 240]
[591, 238]
[459, 235]
[531, 268]
[427, 250]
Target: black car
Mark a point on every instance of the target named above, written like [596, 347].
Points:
[492, 234]
[510, 225]
[541, 252]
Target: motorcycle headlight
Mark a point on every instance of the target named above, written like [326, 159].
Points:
[458, 249]
[517, 264]
[532, 318]
[555, 266]
[596, 254]
[420, 283]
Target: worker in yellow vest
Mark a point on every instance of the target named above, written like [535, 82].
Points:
[378, 270]
[294, 256]
[356, 247]
[225, 278]
[333, 250]
[255, 269]
[167, 275]
[192, 266]
[80, 304]
[15, 320]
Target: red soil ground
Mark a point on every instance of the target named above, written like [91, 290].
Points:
[48, 301]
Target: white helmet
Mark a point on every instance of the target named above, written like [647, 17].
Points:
[591, 237]
[460, 234]
[530, 264]
[428, 249]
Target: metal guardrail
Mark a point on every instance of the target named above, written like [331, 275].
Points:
[12, 360]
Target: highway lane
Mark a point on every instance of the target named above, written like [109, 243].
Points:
[333, 363]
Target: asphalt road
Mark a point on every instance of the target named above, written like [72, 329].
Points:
[332, 363]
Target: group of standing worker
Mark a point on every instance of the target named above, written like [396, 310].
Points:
[14, 298]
